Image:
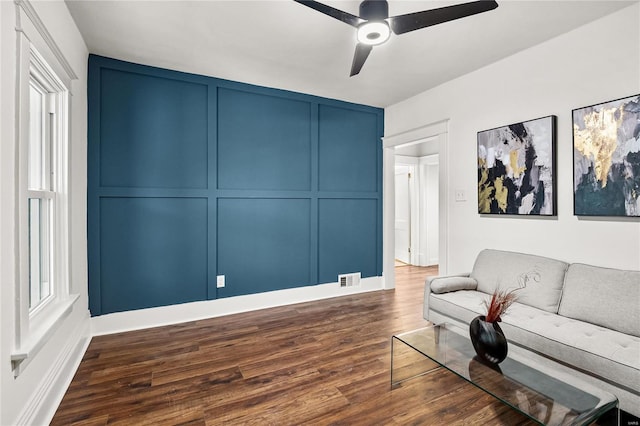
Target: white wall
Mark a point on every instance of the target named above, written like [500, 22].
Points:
[33, 396]
[597, 62]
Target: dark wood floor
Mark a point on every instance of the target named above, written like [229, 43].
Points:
[325, 362]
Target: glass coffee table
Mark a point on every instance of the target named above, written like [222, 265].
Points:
[548, 393]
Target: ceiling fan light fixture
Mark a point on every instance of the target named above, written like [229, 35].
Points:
[374, 24]
[373, 32]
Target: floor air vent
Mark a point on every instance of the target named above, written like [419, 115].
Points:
[349, 280]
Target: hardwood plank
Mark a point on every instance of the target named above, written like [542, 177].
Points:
[324, 362]
[185, 413]
[279, 408]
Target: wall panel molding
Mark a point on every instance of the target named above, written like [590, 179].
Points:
[261, 165]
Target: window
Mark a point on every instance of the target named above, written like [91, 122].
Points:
[43, 231]
[40, 191]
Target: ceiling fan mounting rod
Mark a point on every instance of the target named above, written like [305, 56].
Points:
[374, 10]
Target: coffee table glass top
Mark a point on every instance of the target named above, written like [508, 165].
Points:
[550, 394]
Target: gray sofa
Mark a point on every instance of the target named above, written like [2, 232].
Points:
[584, 316]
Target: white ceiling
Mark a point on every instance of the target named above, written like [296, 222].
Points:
[283, 44]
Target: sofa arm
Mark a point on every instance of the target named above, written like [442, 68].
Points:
[451, 283]
[444, 284]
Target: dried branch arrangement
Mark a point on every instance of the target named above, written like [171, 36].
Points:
[500, 302]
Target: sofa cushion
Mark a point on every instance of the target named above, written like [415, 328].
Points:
[608, 354]
[463, 305]
[539, 278]
[603, 296]
[605, 353]
[447, 284]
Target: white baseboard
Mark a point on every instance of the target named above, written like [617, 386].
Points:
[40, 409]
[174, 314]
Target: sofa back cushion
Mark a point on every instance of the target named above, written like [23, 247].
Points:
[606, 297]
[539, 278]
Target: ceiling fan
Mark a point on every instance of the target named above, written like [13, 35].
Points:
[374, 26]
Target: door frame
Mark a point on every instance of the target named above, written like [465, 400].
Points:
[425, 256]
[436, 131]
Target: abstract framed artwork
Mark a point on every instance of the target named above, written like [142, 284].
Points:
[606, 158]
[517, 168]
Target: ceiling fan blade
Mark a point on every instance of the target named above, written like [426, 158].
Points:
[414, 21]
[338, 14]
[361, 55]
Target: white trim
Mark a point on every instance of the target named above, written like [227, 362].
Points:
[413, 136]
[21, 142]
[388, 217]
[33, 328]
[437, 130]
[443, 206]
[30, 12]
[174, 314]
[58, 310]
[426, 256]
[406, 160]
[43, 403]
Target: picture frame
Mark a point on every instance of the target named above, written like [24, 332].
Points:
[606, 158]
[517, 168]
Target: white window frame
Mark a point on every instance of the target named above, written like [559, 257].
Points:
[35, 326]
[42, 186]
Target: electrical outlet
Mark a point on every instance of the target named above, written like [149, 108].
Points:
[220, 281]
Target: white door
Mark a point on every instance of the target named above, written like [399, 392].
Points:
[403, 214]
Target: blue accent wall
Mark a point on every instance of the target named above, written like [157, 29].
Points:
[153, 251]
[190, 177]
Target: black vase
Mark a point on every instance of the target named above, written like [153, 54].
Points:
[488, 340]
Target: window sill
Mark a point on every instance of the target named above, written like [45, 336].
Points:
[37, 338]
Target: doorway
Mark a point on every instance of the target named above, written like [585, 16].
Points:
[405, 144]
[417, 204]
